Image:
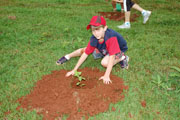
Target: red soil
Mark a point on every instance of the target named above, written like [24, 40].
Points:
[12, 17]
[117, 16]
[130, 115]
[143, 103]
[113, 109]
[56, 95]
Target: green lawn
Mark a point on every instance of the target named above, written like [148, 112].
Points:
[44, 30]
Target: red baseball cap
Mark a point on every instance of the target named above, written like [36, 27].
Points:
[96, 21]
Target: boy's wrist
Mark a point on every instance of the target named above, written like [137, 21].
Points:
[106, 75]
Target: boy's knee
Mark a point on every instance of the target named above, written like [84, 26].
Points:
[104, 63]
[82, 50]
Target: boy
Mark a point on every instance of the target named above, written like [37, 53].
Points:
[110, 44]
[128, 4]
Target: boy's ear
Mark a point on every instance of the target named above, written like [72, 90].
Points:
[105, 28]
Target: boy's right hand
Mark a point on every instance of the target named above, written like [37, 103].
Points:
[70, 73]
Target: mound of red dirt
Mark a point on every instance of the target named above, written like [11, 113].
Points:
[56, 95]
[117, 16]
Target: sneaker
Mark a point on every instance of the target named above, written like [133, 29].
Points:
[124, 63]
[124, 26]
[61, 61]
[146, 16]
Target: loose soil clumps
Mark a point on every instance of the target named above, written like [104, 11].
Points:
[117, 16]
[56, 95]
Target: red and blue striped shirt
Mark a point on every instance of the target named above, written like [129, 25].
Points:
[113, 43]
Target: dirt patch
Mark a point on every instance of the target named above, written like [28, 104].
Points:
[143, 103]
[117, 16]
[12, 17]
[55, 95]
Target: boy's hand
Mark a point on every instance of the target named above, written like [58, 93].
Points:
[70, 73]
[106, 80]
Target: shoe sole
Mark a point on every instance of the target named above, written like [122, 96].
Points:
[123, 28]
[128, 64]
[58, 63]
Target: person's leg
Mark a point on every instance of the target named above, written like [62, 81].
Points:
[76, 53]
[121, 58]
[67, 57]
[104, 61]
[145, 13]
[137, 7]
[127, 7]
[127, 16]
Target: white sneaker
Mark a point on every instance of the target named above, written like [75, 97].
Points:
[146, 16]
[124, 26]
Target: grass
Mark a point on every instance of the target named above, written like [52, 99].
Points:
[45, 30]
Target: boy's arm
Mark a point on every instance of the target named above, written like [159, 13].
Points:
[80, 61]
[106, 78]
[110, 65]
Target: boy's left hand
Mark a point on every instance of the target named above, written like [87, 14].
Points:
[106, 80]
[70, 73]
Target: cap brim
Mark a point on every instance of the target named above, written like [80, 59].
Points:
[88, 27]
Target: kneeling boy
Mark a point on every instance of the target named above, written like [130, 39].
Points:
[110, 44]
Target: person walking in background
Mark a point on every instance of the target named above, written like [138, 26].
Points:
[128, 4]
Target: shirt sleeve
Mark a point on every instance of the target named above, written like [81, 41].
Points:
[89, 49]
[113, 46]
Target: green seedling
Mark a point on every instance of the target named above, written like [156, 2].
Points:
[170, 83]
[159, 82]
[80, 78]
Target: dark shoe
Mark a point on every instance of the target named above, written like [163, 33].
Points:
[61, 61]
[124, 63]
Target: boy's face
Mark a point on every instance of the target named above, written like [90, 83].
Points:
[98, 32]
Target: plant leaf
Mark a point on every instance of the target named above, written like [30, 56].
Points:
[79, 73]
[82, 85]
[176, 68]
[78, 83]
[80, 78]
[174, 75]
[159, 79]
[76, 74]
